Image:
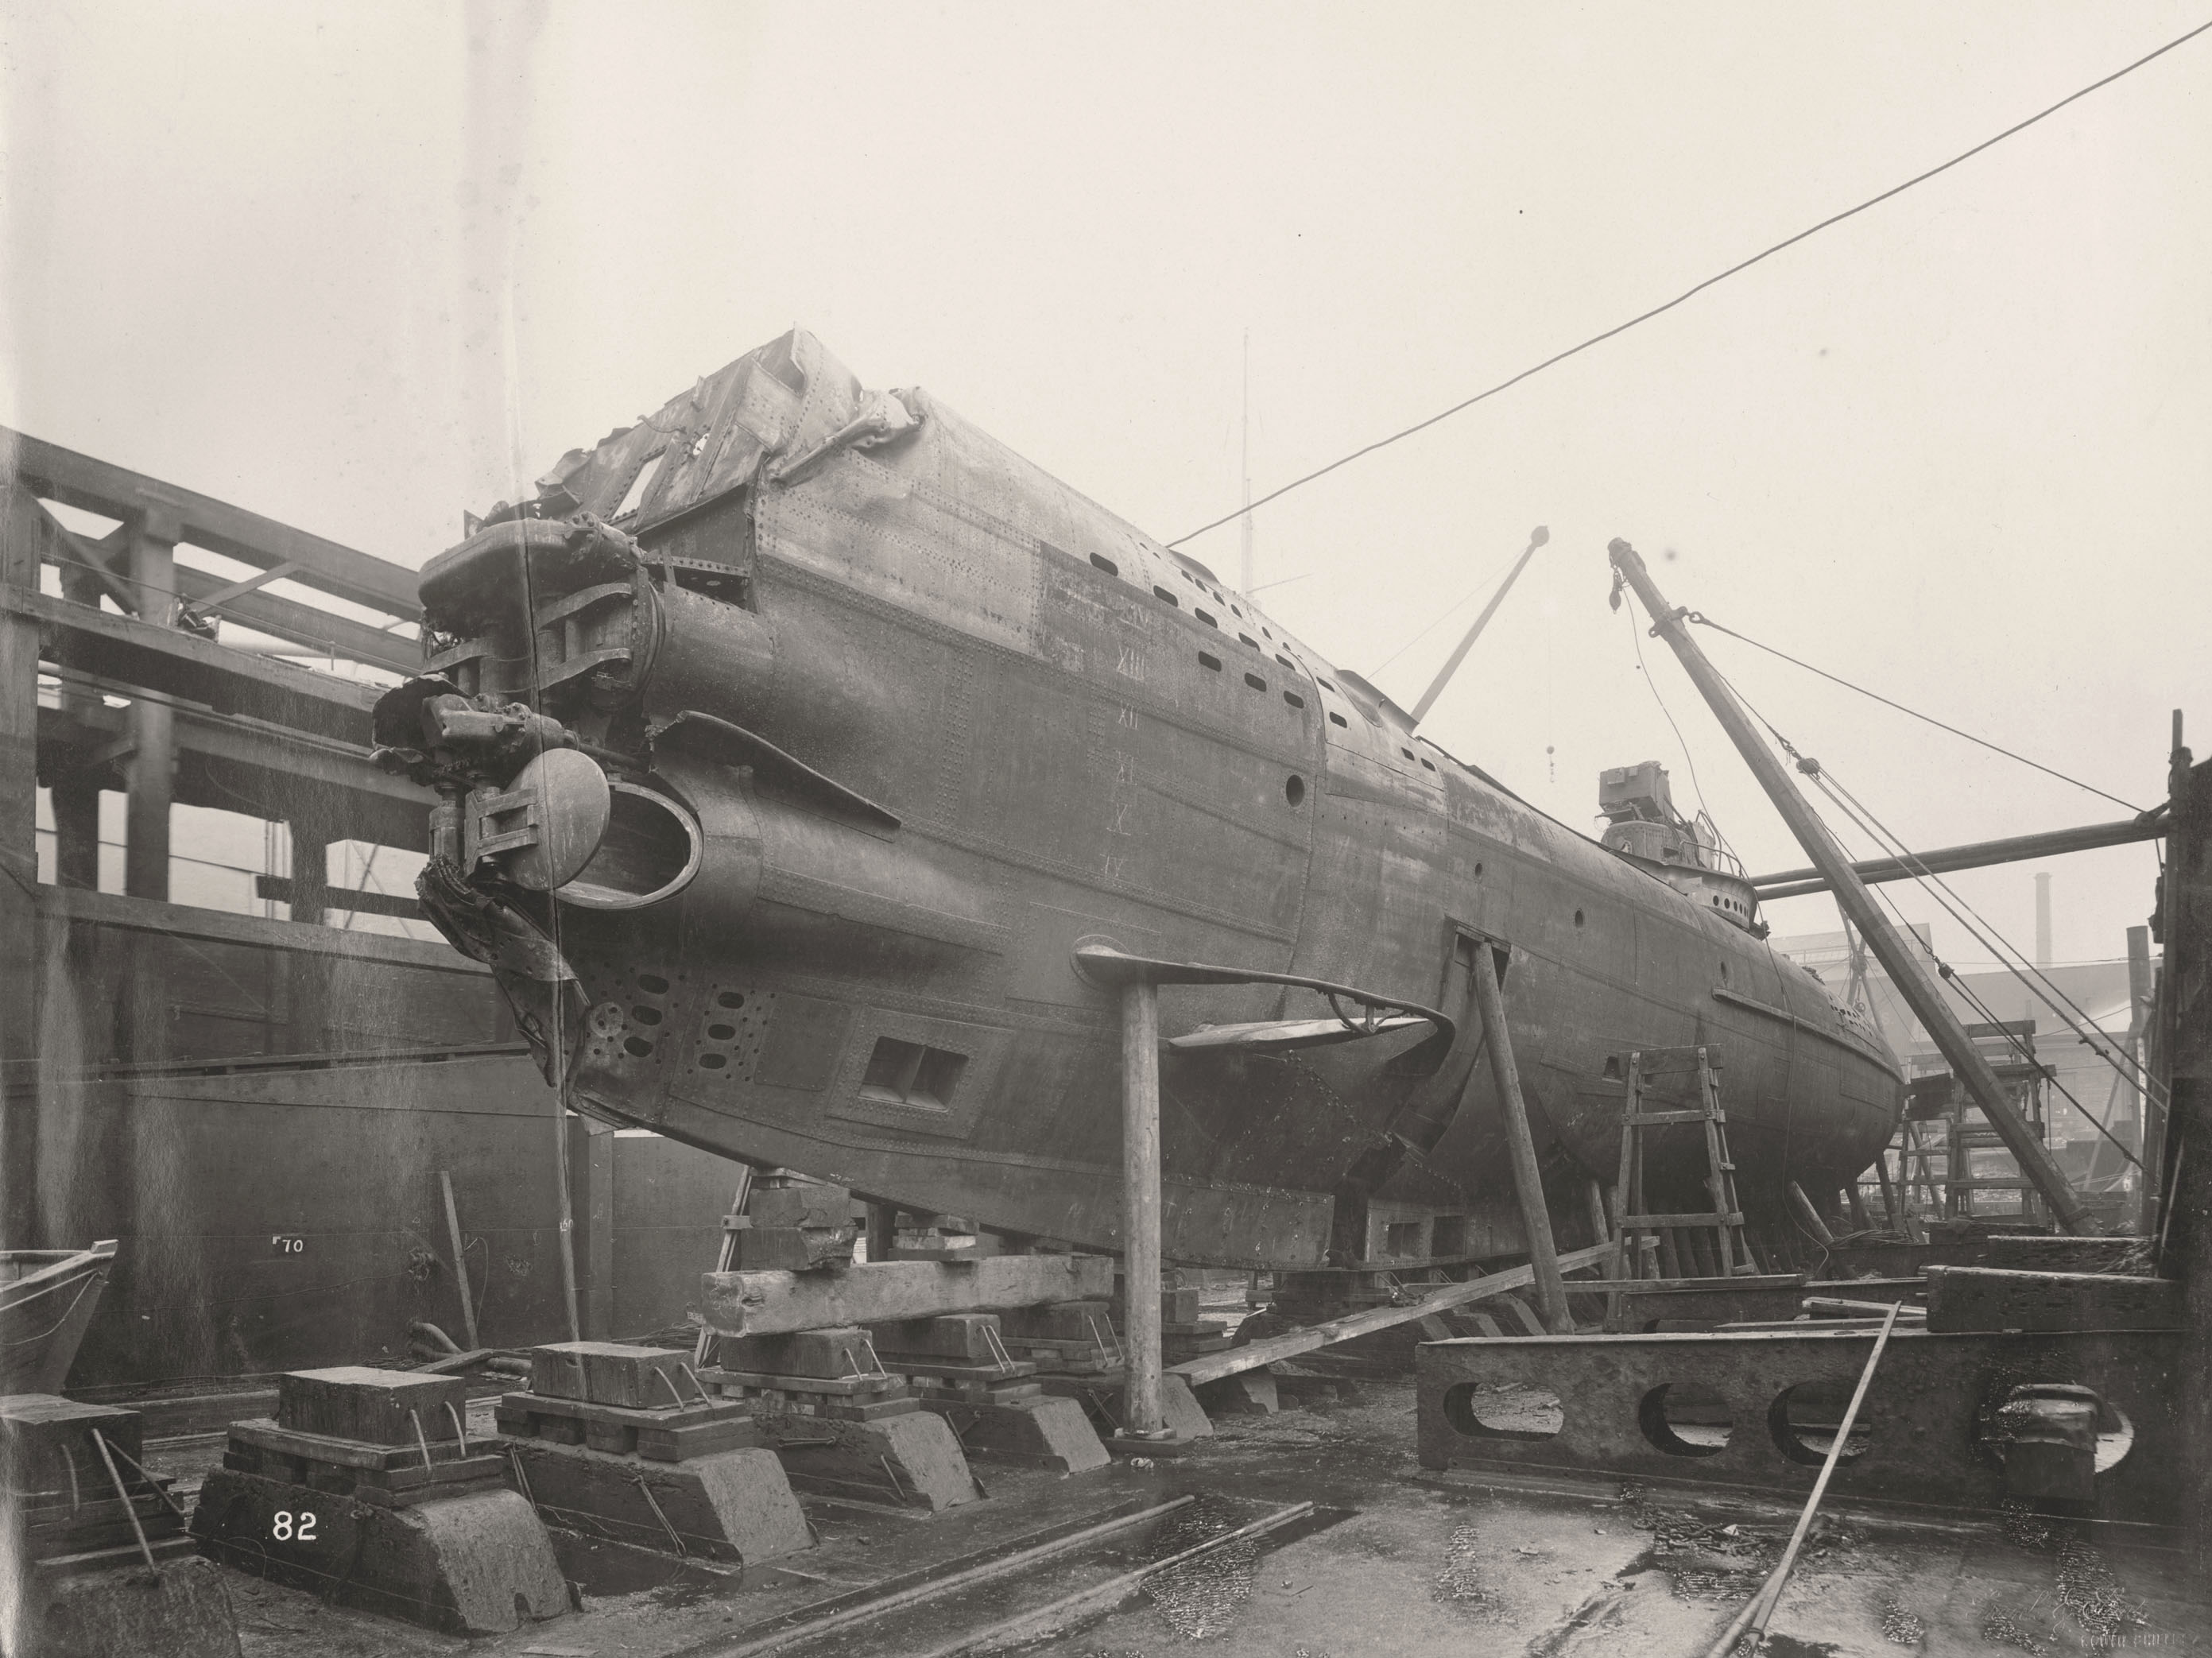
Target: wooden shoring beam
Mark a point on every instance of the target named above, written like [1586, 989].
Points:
[775, 1303]
[234, 766]
[1212, 1367]
[184, 666]
[98, 486]
[300, 624]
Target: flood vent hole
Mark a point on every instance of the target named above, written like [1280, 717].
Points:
[911, 1074]
[1482, 1410]
[722, 1033]
[732, 999]
[1804, 1419]
[712, 1061]
[637, 1048]
[652, 984]
[644, 1014]
[1105, 564]
[1686, 1419]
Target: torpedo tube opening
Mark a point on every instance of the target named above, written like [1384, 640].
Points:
[650, 851]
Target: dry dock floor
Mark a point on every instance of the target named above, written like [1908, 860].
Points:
[1395, 1562]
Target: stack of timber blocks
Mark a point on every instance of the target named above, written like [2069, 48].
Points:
[1080, 1356]
[623, 1444]
[964, 1371]
[365, 1489]
[846, 1428]
[77, 1567]
[793, 1227]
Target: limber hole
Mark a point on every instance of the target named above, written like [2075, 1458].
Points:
[1804, 1419]
[1488, 1410]
[1686, 1419]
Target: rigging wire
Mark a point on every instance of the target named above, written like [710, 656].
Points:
[1480, 587]
[1881, 835]
[1691, 292]
[2042, 987]
[1967, 993]
[1636, 636]
[1706, 621]
[1992, 940]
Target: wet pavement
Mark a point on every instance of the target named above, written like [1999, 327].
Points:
[1395, 1561]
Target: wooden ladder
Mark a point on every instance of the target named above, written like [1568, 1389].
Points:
[1654, 1234]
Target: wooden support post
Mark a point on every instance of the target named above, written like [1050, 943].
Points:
[1141, 1207]
[1527, 1180]
[1890, 1219]
[883, 1230]
[1600, 1229]
[592, 1156]
[1860, 1218]
[153, 726]
[565, 1210]
[460, 1260]
[311, 870]
[19, 1190]
[1811, 1216]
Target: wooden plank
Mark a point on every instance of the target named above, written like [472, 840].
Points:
[183, 664]
[303, 624]
[1646, 1222]
[1214, 1366]
[776, 1303]
[1971, 1298]
[112, 491]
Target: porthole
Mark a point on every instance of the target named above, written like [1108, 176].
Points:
[1256, 681]
[1162, 593]
[1338, 719]
[1294, 788]
[1212, 662]
[1106, 564]
[1294, 699]
[1204, 617]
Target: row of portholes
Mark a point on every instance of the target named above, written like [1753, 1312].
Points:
[1688, 1418]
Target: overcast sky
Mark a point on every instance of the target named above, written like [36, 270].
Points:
[362, 267]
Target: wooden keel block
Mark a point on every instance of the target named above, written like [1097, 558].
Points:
[777, 1303]
[43, 1436]
[963, 1338]
[734, 1507]
[354, 1402]
[831, 1355]
[476, 1563]
[1038, 1432]
[1981, 1298]
[910, 1459]
[1067, 1320]
[610, 1373]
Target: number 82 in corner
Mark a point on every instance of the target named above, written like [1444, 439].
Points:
[287, 1528]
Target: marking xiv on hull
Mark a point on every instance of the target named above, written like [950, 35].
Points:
[779, 801]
